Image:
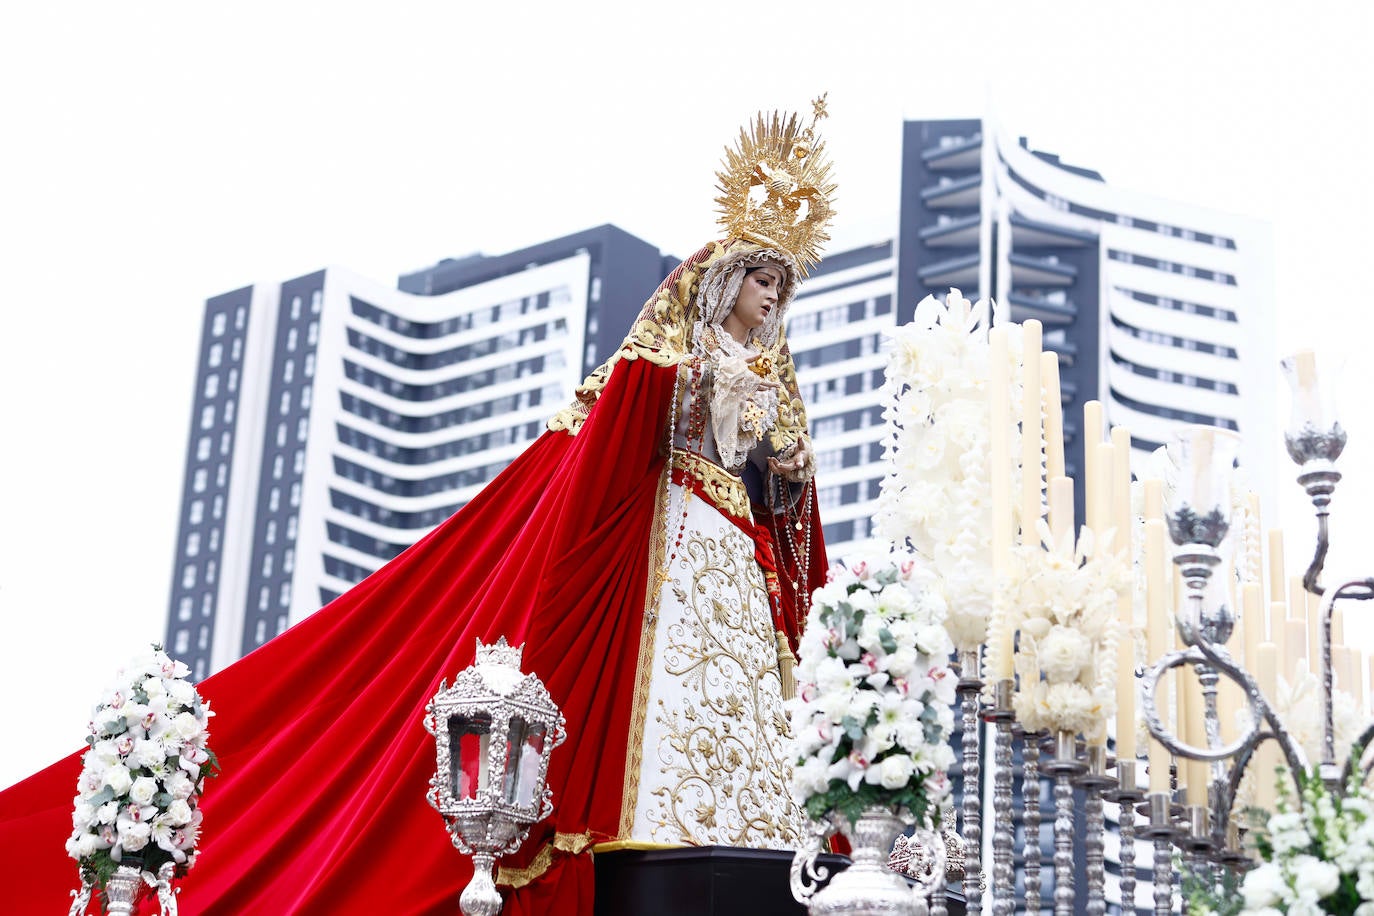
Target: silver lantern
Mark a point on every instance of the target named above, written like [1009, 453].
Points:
[494, 730]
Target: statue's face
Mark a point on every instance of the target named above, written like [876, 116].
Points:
[758, 296]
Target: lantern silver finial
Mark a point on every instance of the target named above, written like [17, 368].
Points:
[494, 731]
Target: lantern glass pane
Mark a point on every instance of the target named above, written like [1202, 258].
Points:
[521, 784]
[469, 741]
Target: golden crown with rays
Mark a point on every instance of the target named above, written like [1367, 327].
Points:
[775, 186]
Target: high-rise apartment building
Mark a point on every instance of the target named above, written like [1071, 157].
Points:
[337, 420]
[1161, 310]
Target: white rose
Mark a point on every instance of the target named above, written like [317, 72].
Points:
[187, 726]
[934, 640]
[1062, 654]
[143, 790]
[178, 812]
[895, 771]
[133, 835]
[180, 785]
[1263, 886]
[154, 687]
[181, 692]
[148, 753]
[118, 779]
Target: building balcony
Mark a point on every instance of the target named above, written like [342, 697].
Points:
[954, 233]
[1027, 270]
[961, 271]
[1041, 309]
[965, 154]
[957, 193]
[1030, 233]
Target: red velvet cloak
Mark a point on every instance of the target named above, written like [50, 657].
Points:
[320, 806]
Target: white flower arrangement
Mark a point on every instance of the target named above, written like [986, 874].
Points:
[1318, 859]
[143, 773]
[873, 711]
[936, 498]
[1062, 597]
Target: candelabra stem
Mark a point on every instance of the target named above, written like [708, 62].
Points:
[1093, 782]
[1164, 878]
[970, 686]
[1064, 768]
[1160, 828]
[1128, 856]
[1030, 819]
[1003, 869]
[1127, 795]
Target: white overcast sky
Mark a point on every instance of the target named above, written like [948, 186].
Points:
[155, 154]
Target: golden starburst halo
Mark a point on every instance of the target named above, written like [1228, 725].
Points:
[775, 186]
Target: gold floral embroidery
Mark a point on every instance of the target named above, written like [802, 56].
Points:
[725, 779]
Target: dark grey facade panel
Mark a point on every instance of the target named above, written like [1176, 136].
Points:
[205, 481]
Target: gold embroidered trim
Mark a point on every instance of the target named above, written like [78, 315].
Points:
[619, 845]
[725, 491]
[572, 843]
[644, 665]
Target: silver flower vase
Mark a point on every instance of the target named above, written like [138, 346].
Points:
[123, 890]
[868, 887]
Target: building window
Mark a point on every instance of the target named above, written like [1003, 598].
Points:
[214, 540]
[193, 544]
[207, 604]
[229, 411]
[295, 494]
[309, 365]
[274, 499]
[236, 349]
[284, 597]
[284, 407]
[217, 325]
[203, 448]
[267, 566]
[291, 528]
[197, 512]
[312, 332]
[198, 480]
[184, 608]
[217, 509]
[216, 354]
[183, 641]
[221, 474]
[291, 336]
[207, 417]
[298, 461]
[240, 314]
[316, 302]
[233, 381]
[295, 307]
[263, 594]
[188, 576]
[277, 467]
[271, 534]
[260, 632]
[224, 440]
[288, 562]
[288, 370]
[212, 385]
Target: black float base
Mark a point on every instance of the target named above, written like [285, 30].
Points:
[704, 881]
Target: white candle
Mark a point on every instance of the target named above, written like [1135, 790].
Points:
[1092, 437]
[1032, 487]
[1267, 754]
[1103, 493]
[1276, 573]
[1157, 632]
[1308, 401]
[1294, 647]
[1061, 509]
[1054, 415]
[1000, 633]
[1154, 498]
[1252, 620]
